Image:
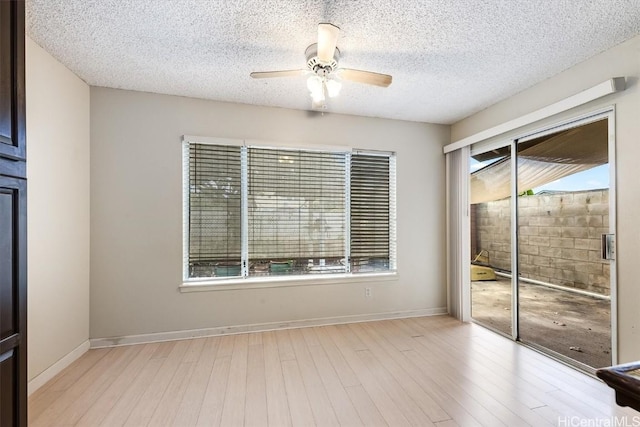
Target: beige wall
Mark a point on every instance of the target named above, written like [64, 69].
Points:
[622, 60]
[58, 209]
[136, 214]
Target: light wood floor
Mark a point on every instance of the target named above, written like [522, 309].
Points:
[423, 372]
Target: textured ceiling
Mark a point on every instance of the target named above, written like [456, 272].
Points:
[449, 58]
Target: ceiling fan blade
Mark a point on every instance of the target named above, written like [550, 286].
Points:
[366, 77]
[327, 40]
[283, 73]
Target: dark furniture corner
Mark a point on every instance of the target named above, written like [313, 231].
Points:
[625, 380]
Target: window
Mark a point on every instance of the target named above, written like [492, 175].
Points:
[296, 211]
[253, 211]
[372, 212]
[214, 210]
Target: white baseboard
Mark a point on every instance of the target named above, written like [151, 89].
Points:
[53, 370]
[261, 327]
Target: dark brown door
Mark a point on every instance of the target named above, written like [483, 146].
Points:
[12, 136]
[13, 392]
[13, 216]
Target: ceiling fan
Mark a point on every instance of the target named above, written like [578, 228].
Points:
[325, 77]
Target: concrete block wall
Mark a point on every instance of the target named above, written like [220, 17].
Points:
[314, 230]
[559, 237]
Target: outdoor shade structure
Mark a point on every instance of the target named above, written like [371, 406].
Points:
[540, 161]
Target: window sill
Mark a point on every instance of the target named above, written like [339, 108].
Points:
[279, 282]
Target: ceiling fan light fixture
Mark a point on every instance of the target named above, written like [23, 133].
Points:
[314, 83]
[318, 98]
[316, 88]
[333, 87]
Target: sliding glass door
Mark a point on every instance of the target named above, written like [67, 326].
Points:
[541, 250]
[490, 216]
[564, 286]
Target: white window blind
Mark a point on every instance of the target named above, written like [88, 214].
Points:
[257, 211]
[214, 210]
[296, 211]
[371, 244]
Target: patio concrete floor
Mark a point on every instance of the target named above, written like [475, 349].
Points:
[555, 319]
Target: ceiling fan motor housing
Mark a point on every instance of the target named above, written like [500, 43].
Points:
[321, 68]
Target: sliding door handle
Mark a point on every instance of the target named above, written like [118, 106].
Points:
[608, 243]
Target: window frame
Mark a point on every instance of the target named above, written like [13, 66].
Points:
[246, 281]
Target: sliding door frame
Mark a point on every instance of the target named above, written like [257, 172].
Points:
[515, 265]
[607, 113]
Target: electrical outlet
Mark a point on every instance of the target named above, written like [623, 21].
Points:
[367, 292]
